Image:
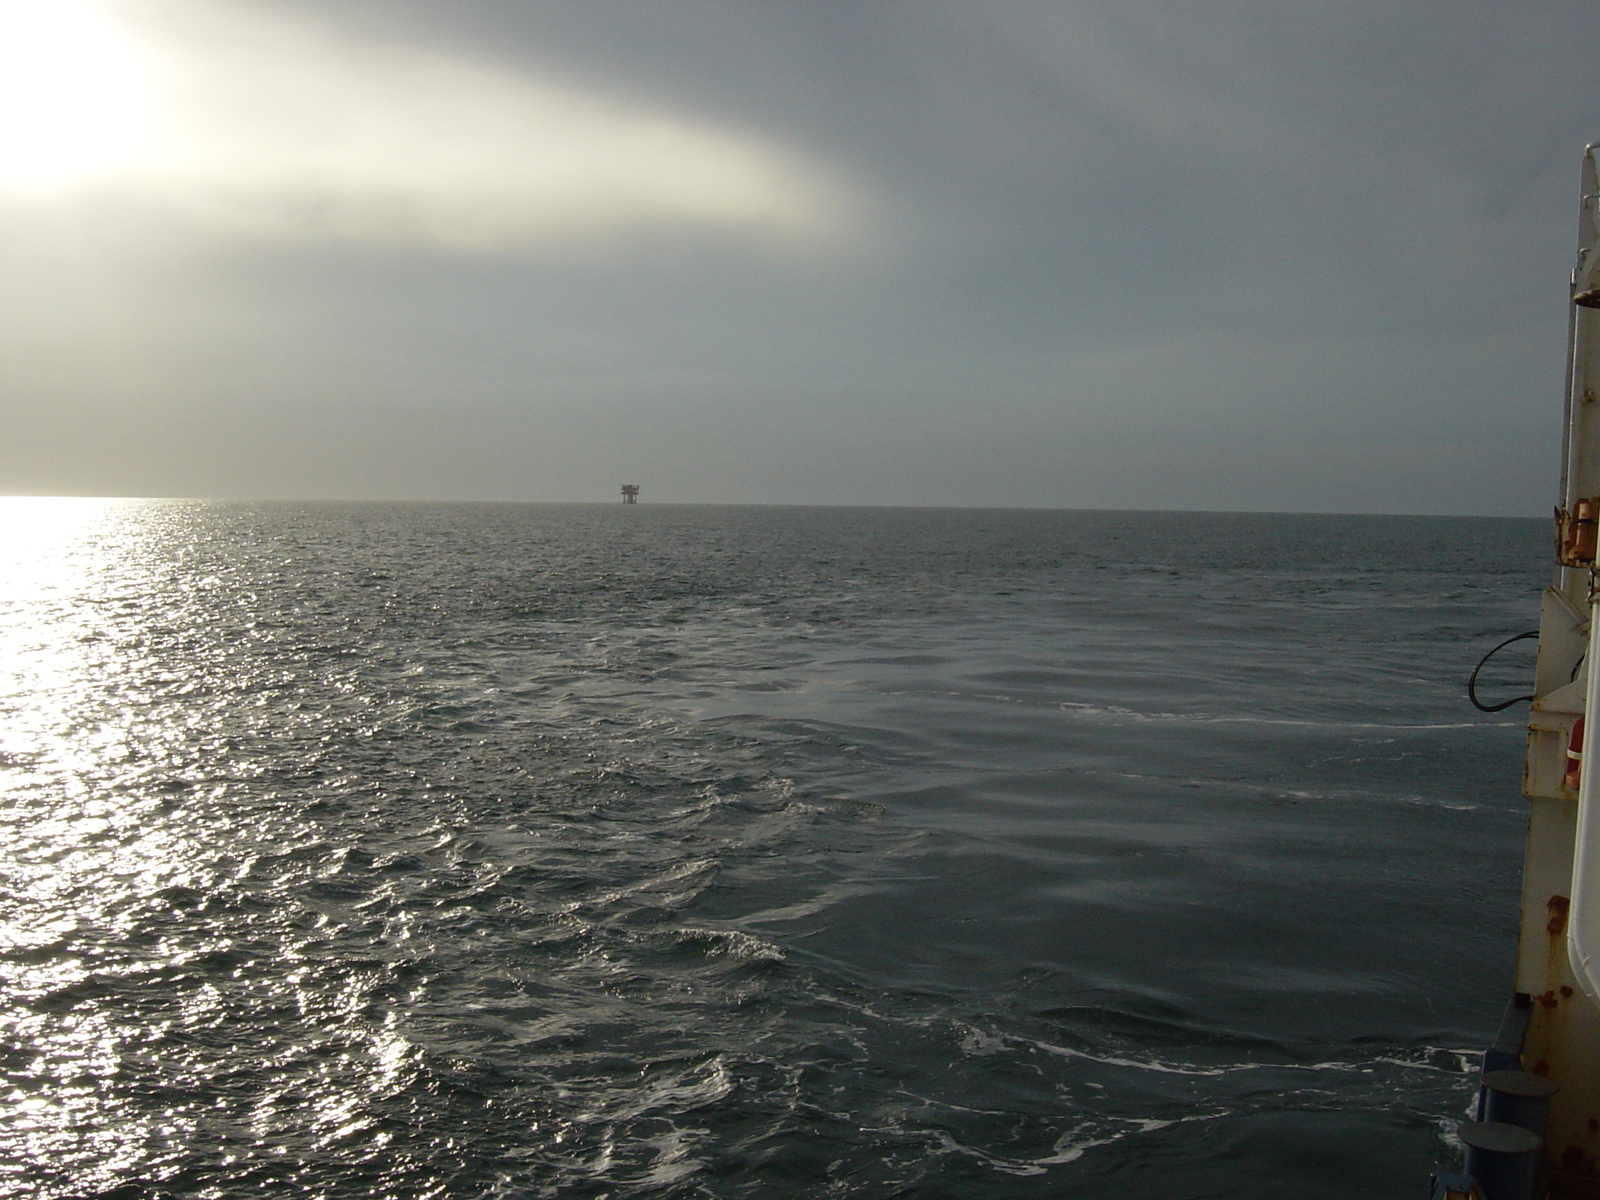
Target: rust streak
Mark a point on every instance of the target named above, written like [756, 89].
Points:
[1558, 906]
[1575, 1162]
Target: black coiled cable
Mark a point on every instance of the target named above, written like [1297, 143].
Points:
[1472, 680]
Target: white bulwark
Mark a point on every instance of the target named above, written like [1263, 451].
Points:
[1558, 950]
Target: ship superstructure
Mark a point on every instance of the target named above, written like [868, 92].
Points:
[1538, 1132]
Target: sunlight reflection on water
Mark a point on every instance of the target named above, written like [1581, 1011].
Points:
[72, 859]
[128, 925]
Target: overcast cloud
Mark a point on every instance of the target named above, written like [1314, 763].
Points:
[1294, 256]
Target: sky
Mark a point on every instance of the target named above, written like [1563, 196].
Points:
[1302, 255]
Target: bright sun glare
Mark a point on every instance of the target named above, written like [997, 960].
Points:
[72, 94]
[265, 122]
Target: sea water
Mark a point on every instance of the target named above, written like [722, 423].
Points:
[654, 851]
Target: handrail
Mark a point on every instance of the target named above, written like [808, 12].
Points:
[1583, 915]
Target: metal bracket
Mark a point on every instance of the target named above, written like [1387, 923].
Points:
[1577, 532]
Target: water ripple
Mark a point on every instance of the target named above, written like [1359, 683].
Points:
[436, 851]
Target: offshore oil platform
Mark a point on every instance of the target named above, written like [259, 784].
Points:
[630, 493]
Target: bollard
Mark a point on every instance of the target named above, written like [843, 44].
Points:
[1501, 1158]
[1517, 1098]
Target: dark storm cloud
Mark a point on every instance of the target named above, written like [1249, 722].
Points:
[1303, 256]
